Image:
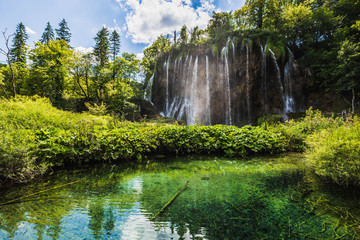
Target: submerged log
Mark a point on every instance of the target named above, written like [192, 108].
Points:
[169, 202]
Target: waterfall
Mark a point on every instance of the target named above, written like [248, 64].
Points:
[201, 89]
[148, 90]
[182, 89]
[230, 43]
[248, 103]
[263, 77]
[166, 65]
[192, 115]
[278, 77]
[288, 70]
[207, 96]
[227, 97]
[172, 107]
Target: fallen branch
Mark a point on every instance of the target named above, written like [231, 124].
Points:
[17, 199]
[169, 202]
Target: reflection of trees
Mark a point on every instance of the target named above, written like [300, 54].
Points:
[47, 210]
[223, 200]
[96, 213]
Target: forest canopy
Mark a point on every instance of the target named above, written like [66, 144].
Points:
[323, 34]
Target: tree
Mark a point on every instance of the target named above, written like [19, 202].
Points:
[297, 22]
[18, 50]
[195, 34]
[50, 68]
[183, 35]
[348, 71]
[80, 69]
[47, 35]
[102, 47]
[63, 32]
[6, 53]
[2, 84]
[114, 44]
[219, 24]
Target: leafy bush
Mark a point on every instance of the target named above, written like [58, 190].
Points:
[335, 153]
[19, 119]
[136, 141]
[296, 131]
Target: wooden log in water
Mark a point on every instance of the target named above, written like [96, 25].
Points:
[169, 202]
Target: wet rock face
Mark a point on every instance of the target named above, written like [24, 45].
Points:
[232, 88]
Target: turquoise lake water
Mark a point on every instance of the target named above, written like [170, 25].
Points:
[255, 198]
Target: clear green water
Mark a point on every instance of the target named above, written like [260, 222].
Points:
[257, 198]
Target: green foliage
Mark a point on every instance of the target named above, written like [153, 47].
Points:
[98, 110]
[48, 34]
[63, 32]
[49, 71]
[19, 119]
[114, 44]
[215, 50]
[295, 131]
[335, 153]
[19, 49]
[102, 46]
[133, 141]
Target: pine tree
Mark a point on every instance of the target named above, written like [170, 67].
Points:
[47, 35]
[102, 46]
[63, 32]
[114, 44]
[18, 50]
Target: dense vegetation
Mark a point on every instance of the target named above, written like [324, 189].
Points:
[36, 138]
[72, 78]
[323, 34]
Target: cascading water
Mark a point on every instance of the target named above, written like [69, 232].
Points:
[223, 88]
[166, 65]
[192, 114]
[224, 58]
[207, 100]
[248, 103]
[288, 70]
[278, 75]
[263, 76]
[148, 90]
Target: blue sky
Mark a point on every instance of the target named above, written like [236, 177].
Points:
[139, 22]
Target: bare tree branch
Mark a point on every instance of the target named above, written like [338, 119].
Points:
[7, 54]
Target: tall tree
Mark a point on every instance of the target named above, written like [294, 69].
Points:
[48, 34]
[183, 35]
[102, 46]
[50, 68]
[219, 24]
[63, 32]
[114, 44]
[18, 50]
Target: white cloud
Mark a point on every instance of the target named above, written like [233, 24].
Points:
[148, 19]
[84, 50]
[30, 31]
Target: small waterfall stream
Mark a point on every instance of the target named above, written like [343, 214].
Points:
[227, 99]
[248, 103]
[288, 71]
[207, 100]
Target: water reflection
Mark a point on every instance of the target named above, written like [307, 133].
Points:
[270, 198]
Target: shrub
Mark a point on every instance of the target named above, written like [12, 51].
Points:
[335, 153]
[296, 131]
